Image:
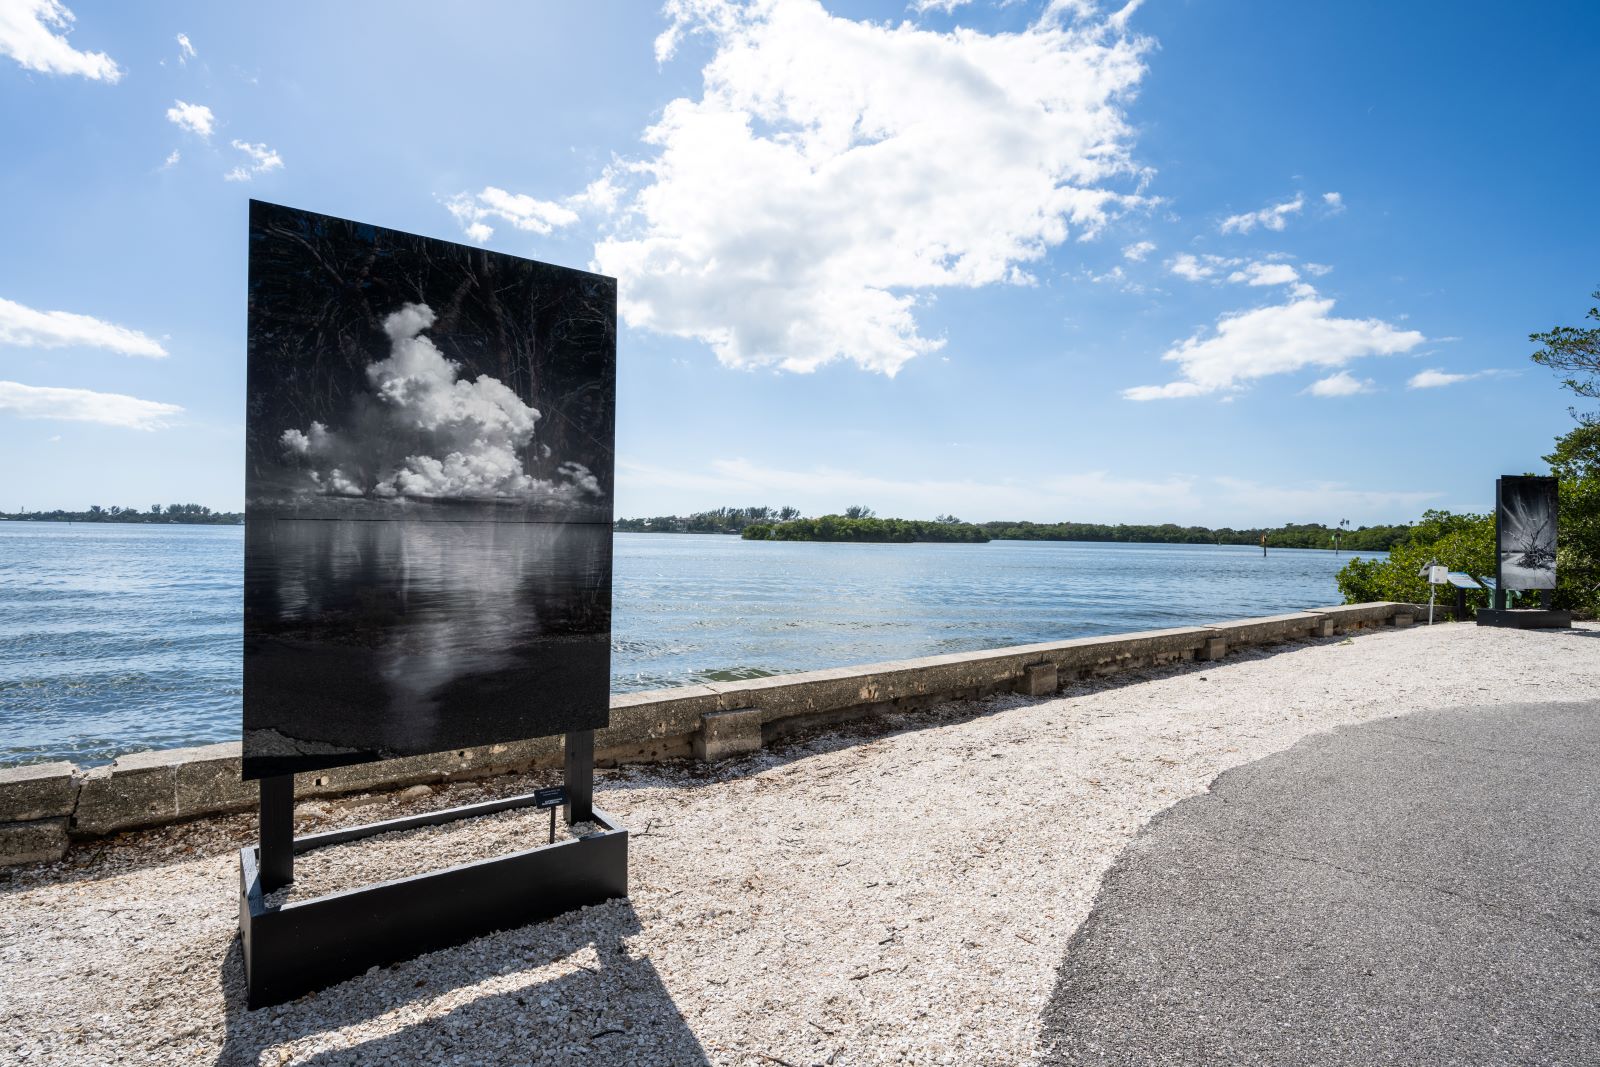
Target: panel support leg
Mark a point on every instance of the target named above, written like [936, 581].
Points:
[277, 832]
[580, 776]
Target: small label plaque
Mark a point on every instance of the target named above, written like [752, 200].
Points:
[552, 797]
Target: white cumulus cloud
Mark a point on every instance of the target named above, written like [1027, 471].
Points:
[34, 33]
[1138, 252]
[1334, 202]
[27, 327]
[1278, 339]
[84, 405]
[196, 118]
[1271, 217]
[474, 211]
[1341, 384]
[260, 160]
[832, 172]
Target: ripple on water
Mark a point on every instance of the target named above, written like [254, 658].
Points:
[118, 638]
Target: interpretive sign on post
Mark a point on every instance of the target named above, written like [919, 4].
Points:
[429, 439]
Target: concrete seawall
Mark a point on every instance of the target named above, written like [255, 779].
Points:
[45, 806]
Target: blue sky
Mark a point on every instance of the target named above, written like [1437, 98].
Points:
[1214, 262]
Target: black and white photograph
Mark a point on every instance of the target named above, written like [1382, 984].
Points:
[1526, 519]
[428, 495]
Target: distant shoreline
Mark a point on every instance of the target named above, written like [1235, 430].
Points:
[228, 521]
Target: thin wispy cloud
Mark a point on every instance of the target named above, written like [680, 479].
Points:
[34, 33]
[26, 327]
[1434, 378]
[1341, 384]
[259, 160]
[196, 118]
[1278, 339]
[186, 50]
[1211, 268]
[1273, 217]
[84, 405]
[474, 211]
[1138, 252]
[1333, 202]
[1265, 274]
[833, 174]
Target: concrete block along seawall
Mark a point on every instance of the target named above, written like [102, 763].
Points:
[43, 807]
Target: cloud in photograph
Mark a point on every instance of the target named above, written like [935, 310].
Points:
[1138, 252]
[34, 33]
[26, 327]
[1341, 384]
[832, 174]
[474, 211]
[84, 405]
[196, 118]
[1277, 339]
[1272, 217]
[186, 50]
[423, 431]
[1333, 202]
[259, 160]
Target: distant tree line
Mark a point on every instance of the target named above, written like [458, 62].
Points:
[860, 523]
[1292, 535]
[863, 527]
[187, 514]
[721, 520]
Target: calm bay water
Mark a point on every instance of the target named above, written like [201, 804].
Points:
[117, 638]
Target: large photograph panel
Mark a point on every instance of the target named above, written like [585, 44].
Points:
[428, 495]
[1527, 532]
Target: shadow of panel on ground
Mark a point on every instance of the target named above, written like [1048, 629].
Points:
[563, 992]
[1422, 889]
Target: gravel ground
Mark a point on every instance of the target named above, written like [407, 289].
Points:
[896, 893]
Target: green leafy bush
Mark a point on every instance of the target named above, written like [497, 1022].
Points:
[1460, 542]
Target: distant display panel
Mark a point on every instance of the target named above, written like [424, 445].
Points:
[428, 486]
[1525, 519]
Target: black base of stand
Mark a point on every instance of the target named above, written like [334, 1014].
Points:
[1525, 618]
[306, 945]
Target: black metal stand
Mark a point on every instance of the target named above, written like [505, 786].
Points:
[296, 948]
[277, 832]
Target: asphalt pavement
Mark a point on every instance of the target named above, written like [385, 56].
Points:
[1422, 889]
